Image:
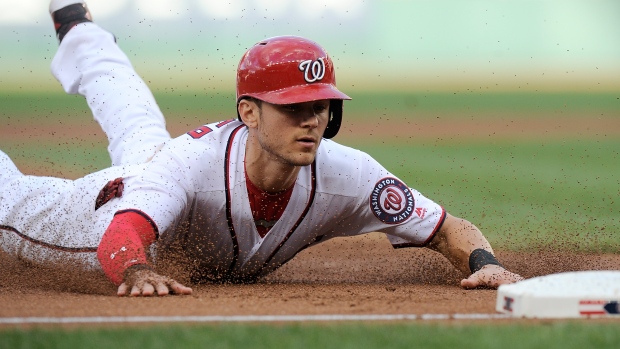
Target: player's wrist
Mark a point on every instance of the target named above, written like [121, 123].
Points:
[135, 272]
[138, 267]
[481, 257]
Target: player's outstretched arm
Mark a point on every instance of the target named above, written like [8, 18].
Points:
[122, 255]
[142, 280]
[468, 250]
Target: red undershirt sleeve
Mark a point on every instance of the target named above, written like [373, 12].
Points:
[125, 243]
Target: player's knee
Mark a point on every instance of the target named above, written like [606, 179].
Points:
[8, 169]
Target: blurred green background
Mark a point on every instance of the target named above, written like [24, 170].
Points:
[447, 45]
[412, 67]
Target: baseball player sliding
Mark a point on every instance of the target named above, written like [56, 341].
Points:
[228, 201]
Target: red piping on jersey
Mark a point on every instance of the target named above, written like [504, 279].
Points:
[301, 218]
[428, 240]
[47, 245]
[229, 220]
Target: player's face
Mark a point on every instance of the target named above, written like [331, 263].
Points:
[292, 133]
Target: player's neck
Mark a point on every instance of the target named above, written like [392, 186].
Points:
[270, 176]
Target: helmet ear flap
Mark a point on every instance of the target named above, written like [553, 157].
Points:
[335, 118]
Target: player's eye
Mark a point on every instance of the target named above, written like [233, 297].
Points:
[290, 108]
[320, 108]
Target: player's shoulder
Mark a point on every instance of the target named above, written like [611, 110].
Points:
[213, 137]
[214, 132]
[204, 146]
[343, 170]
[342, 156]
[199, 156]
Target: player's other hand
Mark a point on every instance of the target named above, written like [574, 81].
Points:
[142, 280]
[490, 276]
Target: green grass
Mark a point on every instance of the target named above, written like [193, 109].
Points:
[365, 105]
[464, 104]
[51, 106]
[552, 335]
[76, 157]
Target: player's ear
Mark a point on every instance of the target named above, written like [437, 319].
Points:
[249, 112]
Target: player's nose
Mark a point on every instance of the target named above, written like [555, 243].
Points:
[309, 118]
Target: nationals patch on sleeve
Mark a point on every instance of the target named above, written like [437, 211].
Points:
[391, 201]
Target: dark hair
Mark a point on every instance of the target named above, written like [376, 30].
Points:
[258, 102]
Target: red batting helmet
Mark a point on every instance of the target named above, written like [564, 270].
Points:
[288, 70]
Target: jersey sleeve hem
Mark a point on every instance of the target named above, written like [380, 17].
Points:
[145, 216]
[430, 237]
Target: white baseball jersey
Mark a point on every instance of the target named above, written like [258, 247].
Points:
[195, 191]
[194, 188]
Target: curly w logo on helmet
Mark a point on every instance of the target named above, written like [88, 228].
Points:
[314, 68]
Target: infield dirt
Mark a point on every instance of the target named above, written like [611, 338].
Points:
[361, 275]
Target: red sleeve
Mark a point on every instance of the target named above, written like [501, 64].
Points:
[125, 243]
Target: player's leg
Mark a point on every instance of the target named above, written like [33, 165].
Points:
[52, 221]
[38, 216]
[8, 170]
[88, 62]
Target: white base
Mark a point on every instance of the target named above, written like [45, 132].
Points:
[578, 294]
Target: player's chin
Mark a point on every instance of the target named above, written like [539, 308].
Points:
[303, 159]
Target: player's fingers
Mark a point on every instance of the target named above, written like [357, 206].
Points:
[180, 289]
[135, 291]
[162, 289]
[491, 276]
[148, 290]
[507, 278]
[471, 282]
[122, 290]
[517, 277]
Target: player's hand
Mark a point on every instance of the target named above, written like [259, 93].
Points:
[490, 276]
[142, 280]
